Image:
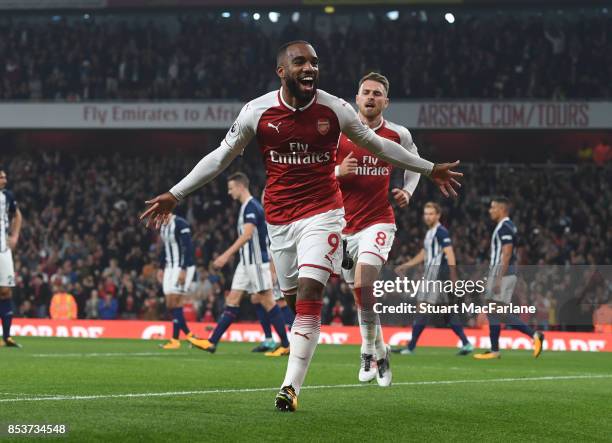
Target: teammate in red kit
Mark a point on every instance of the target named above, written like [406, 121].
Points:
[297, 129]
[370, 222]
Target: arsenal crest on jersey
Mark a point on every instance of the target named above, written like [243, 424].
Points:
[323, 126]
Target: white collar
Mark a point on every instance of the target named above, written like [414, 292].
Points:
[382, 122]
[247, 201]
[380, 125]
[280, 94]
[501, 222]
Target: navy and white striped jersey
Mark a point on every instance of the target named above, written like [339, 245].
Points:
[504, 233]
[8, 207]
[436, 264]
[255, 251]
[177, 249]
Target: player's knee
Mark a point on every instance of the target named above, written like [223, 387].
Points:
[266, 299]
[290, 298]
[364, 297]
[233, 298]
[367, 270]
[5, 292]
[310, 289]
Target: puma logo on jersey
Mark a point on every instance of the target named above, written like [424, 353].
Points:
[270, 125]
[305, 335]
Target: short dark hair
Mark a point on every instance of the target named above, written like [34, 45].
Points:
[239, 177]
[283, 49]
[375, 76]
[436, 207]
[501, 199]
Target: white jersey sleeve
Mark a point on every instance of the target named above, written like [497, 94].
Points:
[411, 179]
[363, 136]
[237, 138]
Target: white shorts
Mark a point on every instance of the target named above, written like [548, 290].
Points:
[171, 276]
[311, 247]
[433, 297]
[370, 245]
[252, 278]
[7, 270]
[508, 282]
[277, 293]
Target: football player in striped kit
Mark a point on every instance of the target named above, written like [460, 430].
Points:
[502, 280]
[439, 259]
[252, 275]
[10, 227]
[177, 269]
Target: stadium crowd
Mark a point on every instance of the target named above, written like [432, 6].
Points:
[82, 235]
[178, 57]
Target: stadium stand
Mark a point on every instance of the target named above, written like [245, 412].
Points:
[83, 237]
[177, 56]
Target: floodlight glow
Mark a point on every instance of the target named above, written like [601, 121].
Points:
[393, 15]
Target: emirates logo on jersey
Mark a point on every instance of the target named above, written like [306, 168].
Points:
[323, 126]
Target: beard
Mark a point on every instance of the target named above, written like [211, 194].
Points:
[293, 85]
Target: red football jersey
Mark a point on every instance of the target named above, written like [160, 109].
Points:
[299, 147]
[365, 193]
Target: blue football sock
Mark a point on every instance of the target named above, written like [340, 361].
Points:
[494, 331]
[455, 323]
[262, 316]
[179, 323]
[229, 316]
[288, 315]
[519, 325]
[6, 313]
[276, 318]
[176, 329]
[420, 322]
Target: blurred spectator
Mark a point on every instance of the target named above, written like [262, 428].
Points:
[108, 308]
[602, 318]
[91, 307]
[585, 154]
[40, 295]
[63, 306]
[27, 310]
[601, 153]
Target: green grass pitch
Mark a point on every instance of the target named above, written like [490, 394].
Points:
[129, 390]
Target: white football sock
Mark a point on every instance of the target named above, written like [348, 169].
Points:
[304, 338]
[381, 347]
[367, 326]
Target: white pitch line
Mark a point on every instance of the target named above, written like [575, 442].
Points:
[246, 390]
[106, 354]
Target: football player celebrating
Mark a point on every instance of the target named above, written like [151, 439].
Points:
[297, 129]
[370, 222]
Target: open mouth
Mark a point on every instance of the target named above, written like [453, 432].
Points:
[370, 105]
[307, 82]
